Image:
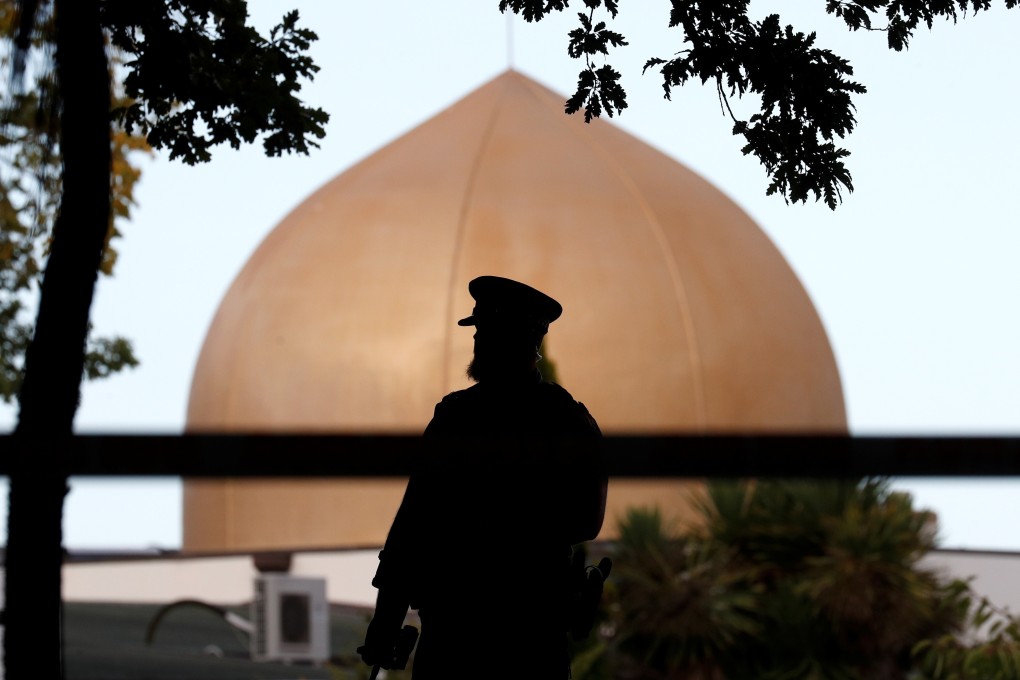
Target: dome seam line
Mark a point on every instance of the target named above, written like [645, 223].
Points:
[458, 243]
[680, 289]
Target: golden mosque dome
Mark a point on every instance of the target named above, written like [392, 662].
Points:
[680, 315]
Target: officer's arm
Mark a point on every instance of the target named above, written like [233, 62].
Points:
[395, 578]
[590, 483]
[439, 426]
[392, 602]
[384, 629]
[588, 506]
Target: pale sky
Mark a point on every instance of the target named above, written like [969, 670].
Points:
[913, 276]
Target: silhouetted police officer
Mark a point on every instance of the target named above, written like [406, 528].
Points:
[481, 542]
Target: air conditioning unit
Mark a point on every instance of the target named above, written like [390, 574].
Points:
[291, 619]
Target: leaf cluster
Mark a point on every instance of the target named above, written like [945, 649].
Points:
[678, 606]
[19, 269]
[598, 87]
[590, 39]
[805, 93]
[106, 356]
[15, 332]
[198, 76]
[30, 189]
[902, 17]
[782, 579]
[532, 10]
[805, 90]
[598, 90]
[993, 655]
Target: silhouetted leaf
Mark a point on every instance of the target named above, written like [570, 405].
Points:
[532, 10]
[855, 14]
[805, 90]
[198, 65]
[597, 90]
[610, 5]
[30, 143]
[106, 356]
[898, 33]
[585, 85]
[614, 99]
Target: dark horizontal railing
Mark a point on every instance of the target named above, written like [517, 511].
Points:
[277, 455]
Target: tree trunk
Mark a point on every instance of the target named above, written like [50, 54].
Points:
[55, 359]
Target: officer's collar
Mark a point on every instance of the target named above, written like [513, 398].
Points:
[514, 381]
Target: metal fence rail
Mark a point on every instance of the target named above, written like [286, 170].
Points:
[276, 455]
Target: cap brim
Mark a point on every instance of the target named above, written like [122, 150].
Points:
[467, 321]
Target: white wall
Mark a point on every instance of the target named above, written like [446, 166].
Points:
[348, 574]
[218, 580]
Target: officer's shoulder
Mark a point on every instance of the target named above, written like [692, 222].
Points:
[451, 410]
[561, 395]
[557, 391]
[466, 393]
[459, 398]
[557, 394]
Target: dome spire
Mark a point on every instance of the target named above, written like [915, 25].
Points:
[510, 41]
